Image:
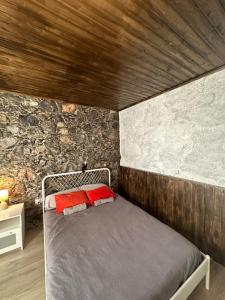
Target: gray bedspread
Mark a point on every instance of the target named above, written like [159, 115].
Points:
[115, 251]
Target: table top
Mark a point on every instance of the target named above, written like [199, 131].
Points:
[12, 211]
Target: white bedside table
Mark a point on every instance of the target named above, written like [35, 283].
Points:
[12, 228]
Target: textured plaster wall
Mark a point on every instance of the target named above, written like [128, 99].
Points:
[179, 133]
[40, 137]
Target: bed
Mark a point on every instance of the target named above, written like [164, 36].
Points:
[116, 251]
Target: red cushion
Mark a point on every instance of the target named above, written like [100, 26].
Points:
[70, 199]
[99, 193]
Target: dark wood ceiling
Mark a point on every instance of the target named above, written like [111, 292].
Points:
[109, 53]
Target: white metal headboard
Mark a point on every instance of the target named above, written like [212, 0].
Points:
[60, 182]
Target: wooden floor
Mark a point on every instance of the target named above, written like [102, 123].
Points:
[22, 274]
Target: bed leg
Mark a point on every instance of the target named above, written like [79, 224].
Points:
[207, 277]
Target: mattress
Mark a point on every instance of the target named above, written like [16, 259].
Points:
[114, 251]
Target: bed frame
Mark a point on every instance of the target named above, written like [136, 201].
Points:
[65, 181]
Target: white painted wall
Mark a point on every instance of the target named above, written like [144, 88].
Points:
[180, 133]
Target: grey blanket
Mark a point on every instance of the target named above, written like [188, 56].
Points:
[115, 251]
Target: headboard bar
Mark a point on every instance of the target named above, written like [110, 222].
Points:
[65, 181]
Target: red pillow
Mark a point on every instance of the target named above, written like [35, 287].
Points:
[99, 193]
[70, 199]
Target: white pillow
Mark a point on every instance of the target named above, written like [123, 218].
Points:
[88, 187]
[50, 199]
[103, 201]
[70, 210]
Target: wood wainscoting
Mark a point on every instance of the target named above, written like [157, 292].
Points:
[196, 210]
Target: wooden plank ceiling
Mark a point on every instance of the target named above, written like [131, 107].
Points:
[109, 53]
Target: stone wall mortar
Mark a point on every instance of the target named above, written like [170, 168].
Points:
[40, 137]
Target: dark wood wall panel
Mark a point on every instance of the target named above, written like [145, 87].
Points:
[196, 210]
[108, 53]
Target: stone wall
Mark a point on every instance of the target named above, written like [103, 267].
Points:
[179, 133]
[40, 137]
